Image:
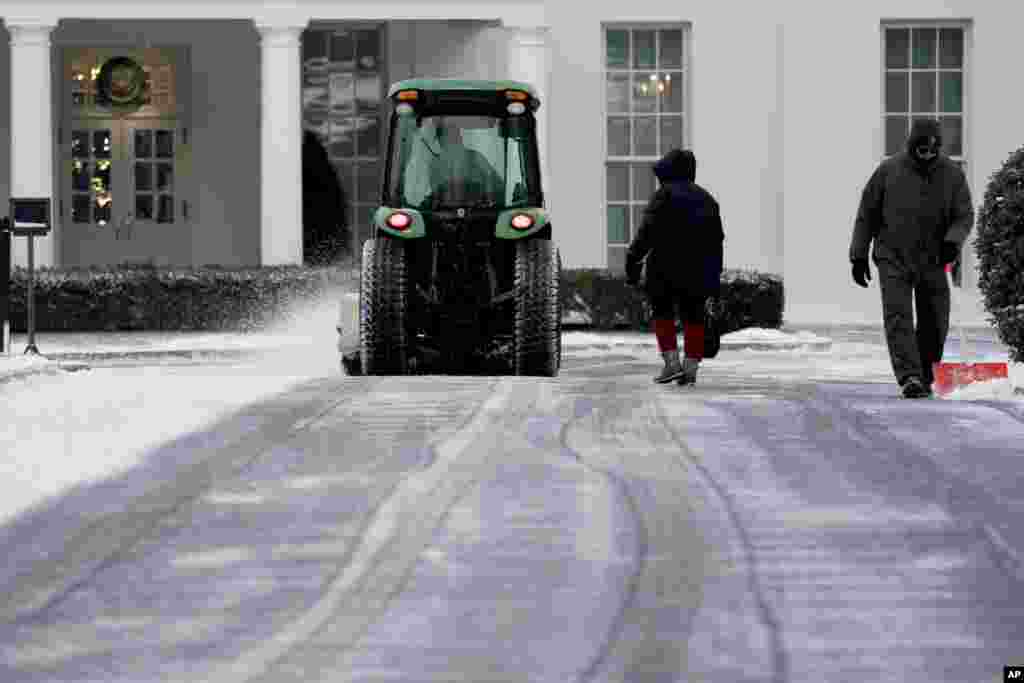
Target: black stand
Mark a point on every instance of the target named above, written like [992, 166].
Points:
[31, 299]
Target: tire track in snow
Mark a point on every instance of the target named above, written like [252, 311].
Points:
[111, 537]
[945, 487]
[770, 621]
[872, 463]
[653, 620]
[641, 552]
[392, 539]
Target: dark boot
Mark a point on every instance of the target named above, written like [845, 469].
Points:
[912, 387]
[689, 376]
[672, 370]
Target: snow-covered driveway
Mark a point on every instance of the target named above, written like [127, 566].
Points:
[782, 521]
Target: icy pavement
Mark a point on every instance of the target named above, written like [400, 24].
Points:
[264, 519]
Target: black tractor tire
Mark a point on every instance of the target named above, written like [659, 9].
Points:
[383, 304]
[537, 349]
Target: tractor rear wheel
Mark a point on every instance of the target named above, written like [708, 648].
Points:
[538, 317]
[383, 305]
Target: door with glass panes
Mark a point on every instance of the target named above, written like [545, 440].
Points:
[121, 199]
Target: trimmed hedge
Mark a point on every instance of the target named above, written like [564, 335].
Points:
[148, 298]
[212, 298]
[999, 245]
[602, 297]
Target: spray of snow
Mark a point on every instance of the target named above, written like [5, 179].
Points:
[63, 429]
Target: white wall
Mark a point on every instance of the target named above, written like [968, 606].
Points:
[735, 130]
[445, 49]
[5, 119]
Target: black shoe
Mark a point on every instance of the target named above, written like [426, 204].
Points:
[912, 387]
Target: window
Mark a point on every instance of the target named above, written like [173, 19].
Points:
[925, 76]
[342, 97]
[645, 116]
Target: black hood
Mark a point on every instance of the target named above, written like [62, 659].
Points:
[921, 133]
[678, 164]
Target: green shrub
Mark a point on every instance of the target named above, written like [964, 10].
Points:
[999, 244]
[150, 298]
[601, 299]
[217, 298]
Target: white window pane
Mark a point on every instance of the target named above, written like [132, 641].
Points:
[897, 92]
[643, 181]
[897, 48]
[896, 130]
[643, 50]
[670, 48]
[617, 260]
[645, 136]
[638, 218]
[923, 88]
[952, 134]
[951, 91]
[670, 92]
[923, 45]
[618, 182]
[671, 133]
[618, 224]
[617, 49]
[617, 93]
[951, 48]
[645, 92]
[618, 136]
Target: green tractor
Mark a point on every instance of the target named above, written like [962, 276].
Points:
[461, 274]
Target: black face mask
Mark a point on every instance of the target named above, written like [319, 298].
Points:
[926, 150]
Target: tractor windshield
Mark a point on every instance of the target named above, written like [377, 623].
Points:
[479, 161]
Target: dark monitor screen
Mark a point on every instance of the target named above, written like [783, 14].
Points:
[30, 211]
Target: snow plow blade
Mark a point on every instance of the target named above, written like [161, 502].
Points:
[952, 376]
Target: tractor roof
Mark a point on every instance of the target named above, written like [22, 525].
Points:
[434, 84]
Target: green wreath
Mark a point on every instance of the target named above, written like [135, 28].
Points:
[121, 83]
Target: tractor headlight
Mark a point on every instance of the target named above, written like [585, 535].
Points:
[516, 108]
[522, 221]
[399, 220]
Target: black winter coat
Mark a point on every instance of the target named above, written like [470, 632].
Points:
[681, 234]
[909, 212]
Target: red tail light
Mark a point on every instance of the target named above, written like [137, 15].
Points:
[522, 221]
[399, 221]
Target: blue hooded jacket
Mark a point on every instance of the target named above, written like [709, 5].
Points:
[681, 233]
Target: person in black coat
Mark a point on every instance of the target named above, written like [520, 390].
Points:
[917, 209]
[325, 236]
[681, 238]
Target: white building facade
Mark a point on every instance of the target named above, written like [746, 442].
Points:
[788, 107]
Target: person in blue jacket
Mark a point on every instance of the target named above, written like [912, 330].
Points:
[681, 238]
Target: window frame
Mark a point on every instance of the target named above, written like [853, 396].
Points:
[359, 213]
[686, 113]
[970, 277]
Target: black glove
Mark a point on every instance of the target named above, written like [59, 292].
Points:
[633, 273]
[950, 252]
[861, 272]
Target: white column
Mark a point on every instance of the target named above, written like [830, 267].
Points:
[31, 99]
[281, 144]
[529, 60]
